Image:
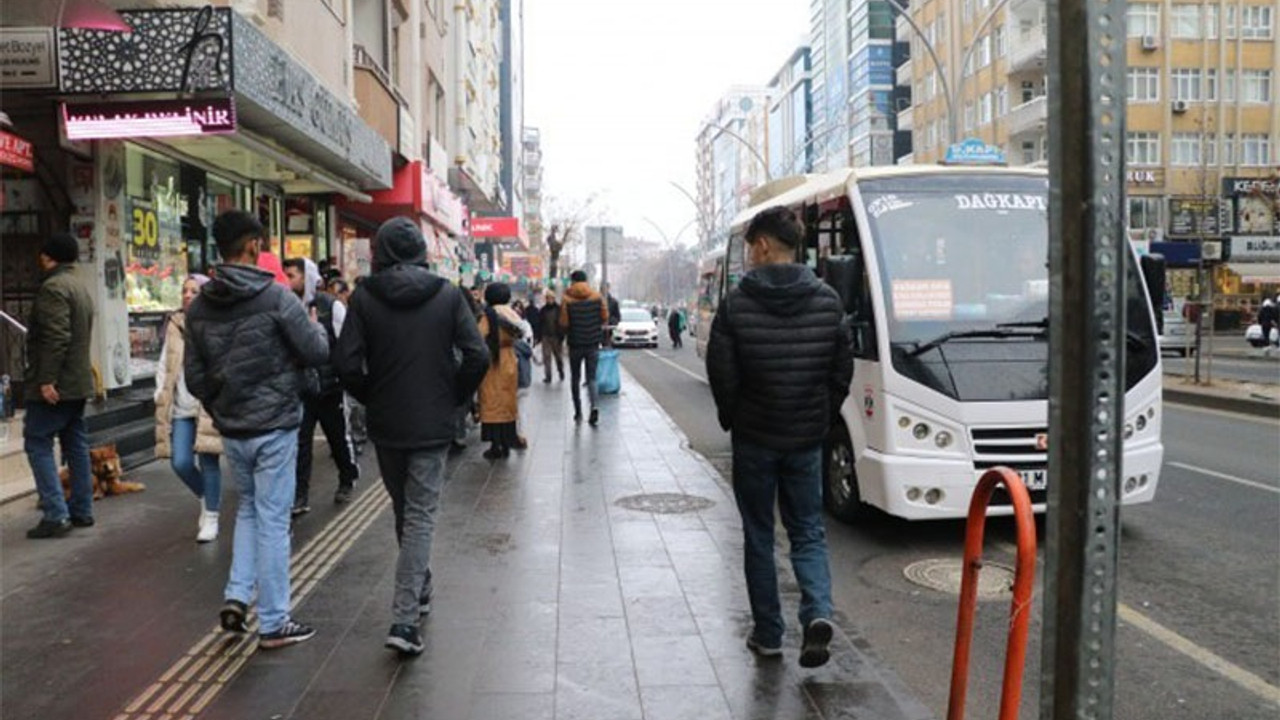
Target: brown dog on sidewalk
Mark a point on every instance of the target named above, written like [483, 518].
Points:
[108, 474]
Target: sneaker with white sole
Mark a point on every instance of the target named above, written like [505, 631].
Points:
[291, 633]
[405, 638]
[208, 530]
[759, 648]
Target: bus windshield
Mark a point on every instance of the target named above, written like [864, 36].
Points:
[964, 271]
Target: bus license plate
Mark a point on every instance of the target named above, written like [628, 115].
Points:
[1035, 479]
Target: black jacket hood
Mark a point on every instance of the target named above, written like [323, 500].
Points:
[404, 285]
[236, 283]
[781, 289]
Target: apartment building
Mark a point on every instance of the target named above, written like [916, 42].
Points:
[790, 146]
[1202, 119]
[732, 152]
[532, 168]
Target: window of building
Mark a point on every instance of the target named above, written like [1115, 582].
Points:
[983, 51]
[968, 10]
[930, 85]
[1184, 21]
[1211, 22]
[1144, 212]
[1144, 84]
[1143, 19]
[1142, 148]
[1255, 86]
[1228, 143]
[1185, 149]
[1256, 22]
[1211, 85]
[1028, 152]
[1002, 46]
[985, 108]
[1002, 101]
[1231, 22]
[1229, 86]
[1184, 84]
[1255, 149]
[968, 115]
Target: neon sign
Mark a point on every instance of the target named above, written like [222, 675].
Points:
[149, 118]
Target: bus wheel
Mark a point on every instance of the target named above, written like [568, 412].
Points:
[840, 478]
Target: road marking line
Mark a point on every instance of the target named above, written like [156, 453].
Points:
[677, 366]
[1224, 476]
[1208, 659]
[218, 657]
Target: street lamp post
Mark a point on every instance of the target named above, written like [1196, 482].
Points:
[764, 164]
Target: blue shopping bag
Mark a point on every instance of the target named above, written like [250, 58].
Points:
[608, 375]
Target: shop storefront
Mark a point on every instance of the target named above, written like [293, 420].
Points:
[194, 113]
[1251, 271]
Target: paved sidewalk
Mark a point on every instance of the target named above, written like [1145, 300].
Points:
[553, 601]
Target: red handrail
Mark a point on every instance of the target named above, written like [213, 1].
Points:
[1023, 579]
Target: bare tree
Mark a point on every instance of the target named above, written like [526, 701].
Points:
[566, 218]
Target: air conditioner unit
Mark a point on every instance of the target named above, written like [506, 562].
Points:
[1211, 250]
[1150, 42]
[1179, 106]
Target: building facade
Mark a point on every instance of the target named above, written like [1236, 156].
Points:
[790, 146]
[532, 171]
[1202, 122]
[475, 132]
[872, 112]
[732, 151]
[829, 41]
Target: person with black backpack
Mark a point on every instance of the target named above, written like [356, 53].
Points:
[322, 395]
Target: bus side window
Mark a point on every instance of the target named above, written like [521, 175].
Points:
[862, 318]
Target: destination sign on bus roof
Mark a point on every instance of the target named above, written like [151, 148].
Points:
[973, 151]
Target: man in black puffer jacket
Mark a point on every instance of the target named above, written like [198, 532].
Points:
[779, 362]
[248, 339]
[396, 355]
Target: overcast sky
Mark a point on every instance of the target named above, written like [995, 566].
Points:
[618, 89]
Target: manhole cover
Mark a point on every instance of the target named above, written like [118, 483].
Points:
[995, 581]
[665, 503]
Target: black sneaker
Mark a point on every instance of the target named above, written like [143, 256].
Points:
[424, 605]
[765, 651]
[301, 507]
[291, 634]
[577, 417]
[594, 420]
[82, 521]
[817, 637]
[405, 638]
[49, 529]
[232, 616]
[343, 495]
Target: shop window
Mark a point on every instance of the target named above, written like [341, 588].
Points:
[156, 261]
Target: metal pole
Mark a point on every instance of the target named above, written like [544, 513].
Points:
[942, 71]
[745, 143]
[1088, 254]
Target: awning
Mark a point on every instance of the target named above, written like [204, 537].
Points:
[1262, 273]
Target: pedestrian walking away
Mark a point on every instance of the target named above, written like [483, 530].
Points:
[247, 340]
[551, 338]
[583, 316]
[411, 384]
[779, 362]
[58, 368]
[501, 327]
[322, 396]
[184, 429]
[675, 327]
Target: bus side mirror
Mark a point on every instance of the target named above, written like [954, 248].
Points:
[844, 273]
[1153, 273]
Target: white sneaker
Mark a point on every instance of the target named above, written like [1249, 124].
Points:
[208, 527]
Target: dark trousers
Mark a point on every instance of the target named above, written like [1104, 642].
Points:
[792, 480]
[65, 421]
[327, 410]
[413, 478]
[578, 358]
[676, 340]
[552, 348]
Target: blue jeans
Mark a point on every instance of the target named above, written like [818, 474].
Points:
[66, 421]
[207, 481]
[795, 479]
[264, 470]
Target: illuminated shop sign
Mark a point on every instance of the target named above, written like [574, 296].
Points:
[149, 118]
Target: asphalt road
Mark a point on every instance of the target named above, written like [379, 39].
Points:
[1243, 369]
[1199, 580]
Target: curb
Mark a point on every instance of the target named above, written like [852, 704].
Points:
[1245, 406]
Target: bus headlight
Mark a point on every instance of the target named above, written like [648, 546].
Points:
[904, 422]
[942, 439]
[1141, 423]
[920, 431]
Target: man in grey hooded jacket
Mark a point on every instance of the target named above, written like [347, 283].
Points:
[248, 339]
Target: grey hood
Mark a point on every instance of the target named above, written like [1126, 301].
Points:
[236, 283]
[781, 289]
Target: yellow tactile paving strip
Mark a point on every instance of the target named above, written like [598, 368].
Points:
[192, 683]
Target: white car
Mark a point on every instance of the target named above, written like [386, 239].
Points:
[635, 329]
[1178, 336]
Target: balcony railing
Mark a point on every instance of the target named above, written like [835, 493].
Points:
[904, 74]
[1028, 50]
[1028, 117]
[906, 119]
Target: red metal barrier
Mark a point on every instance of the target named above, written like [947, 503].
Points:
[1019, 613]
